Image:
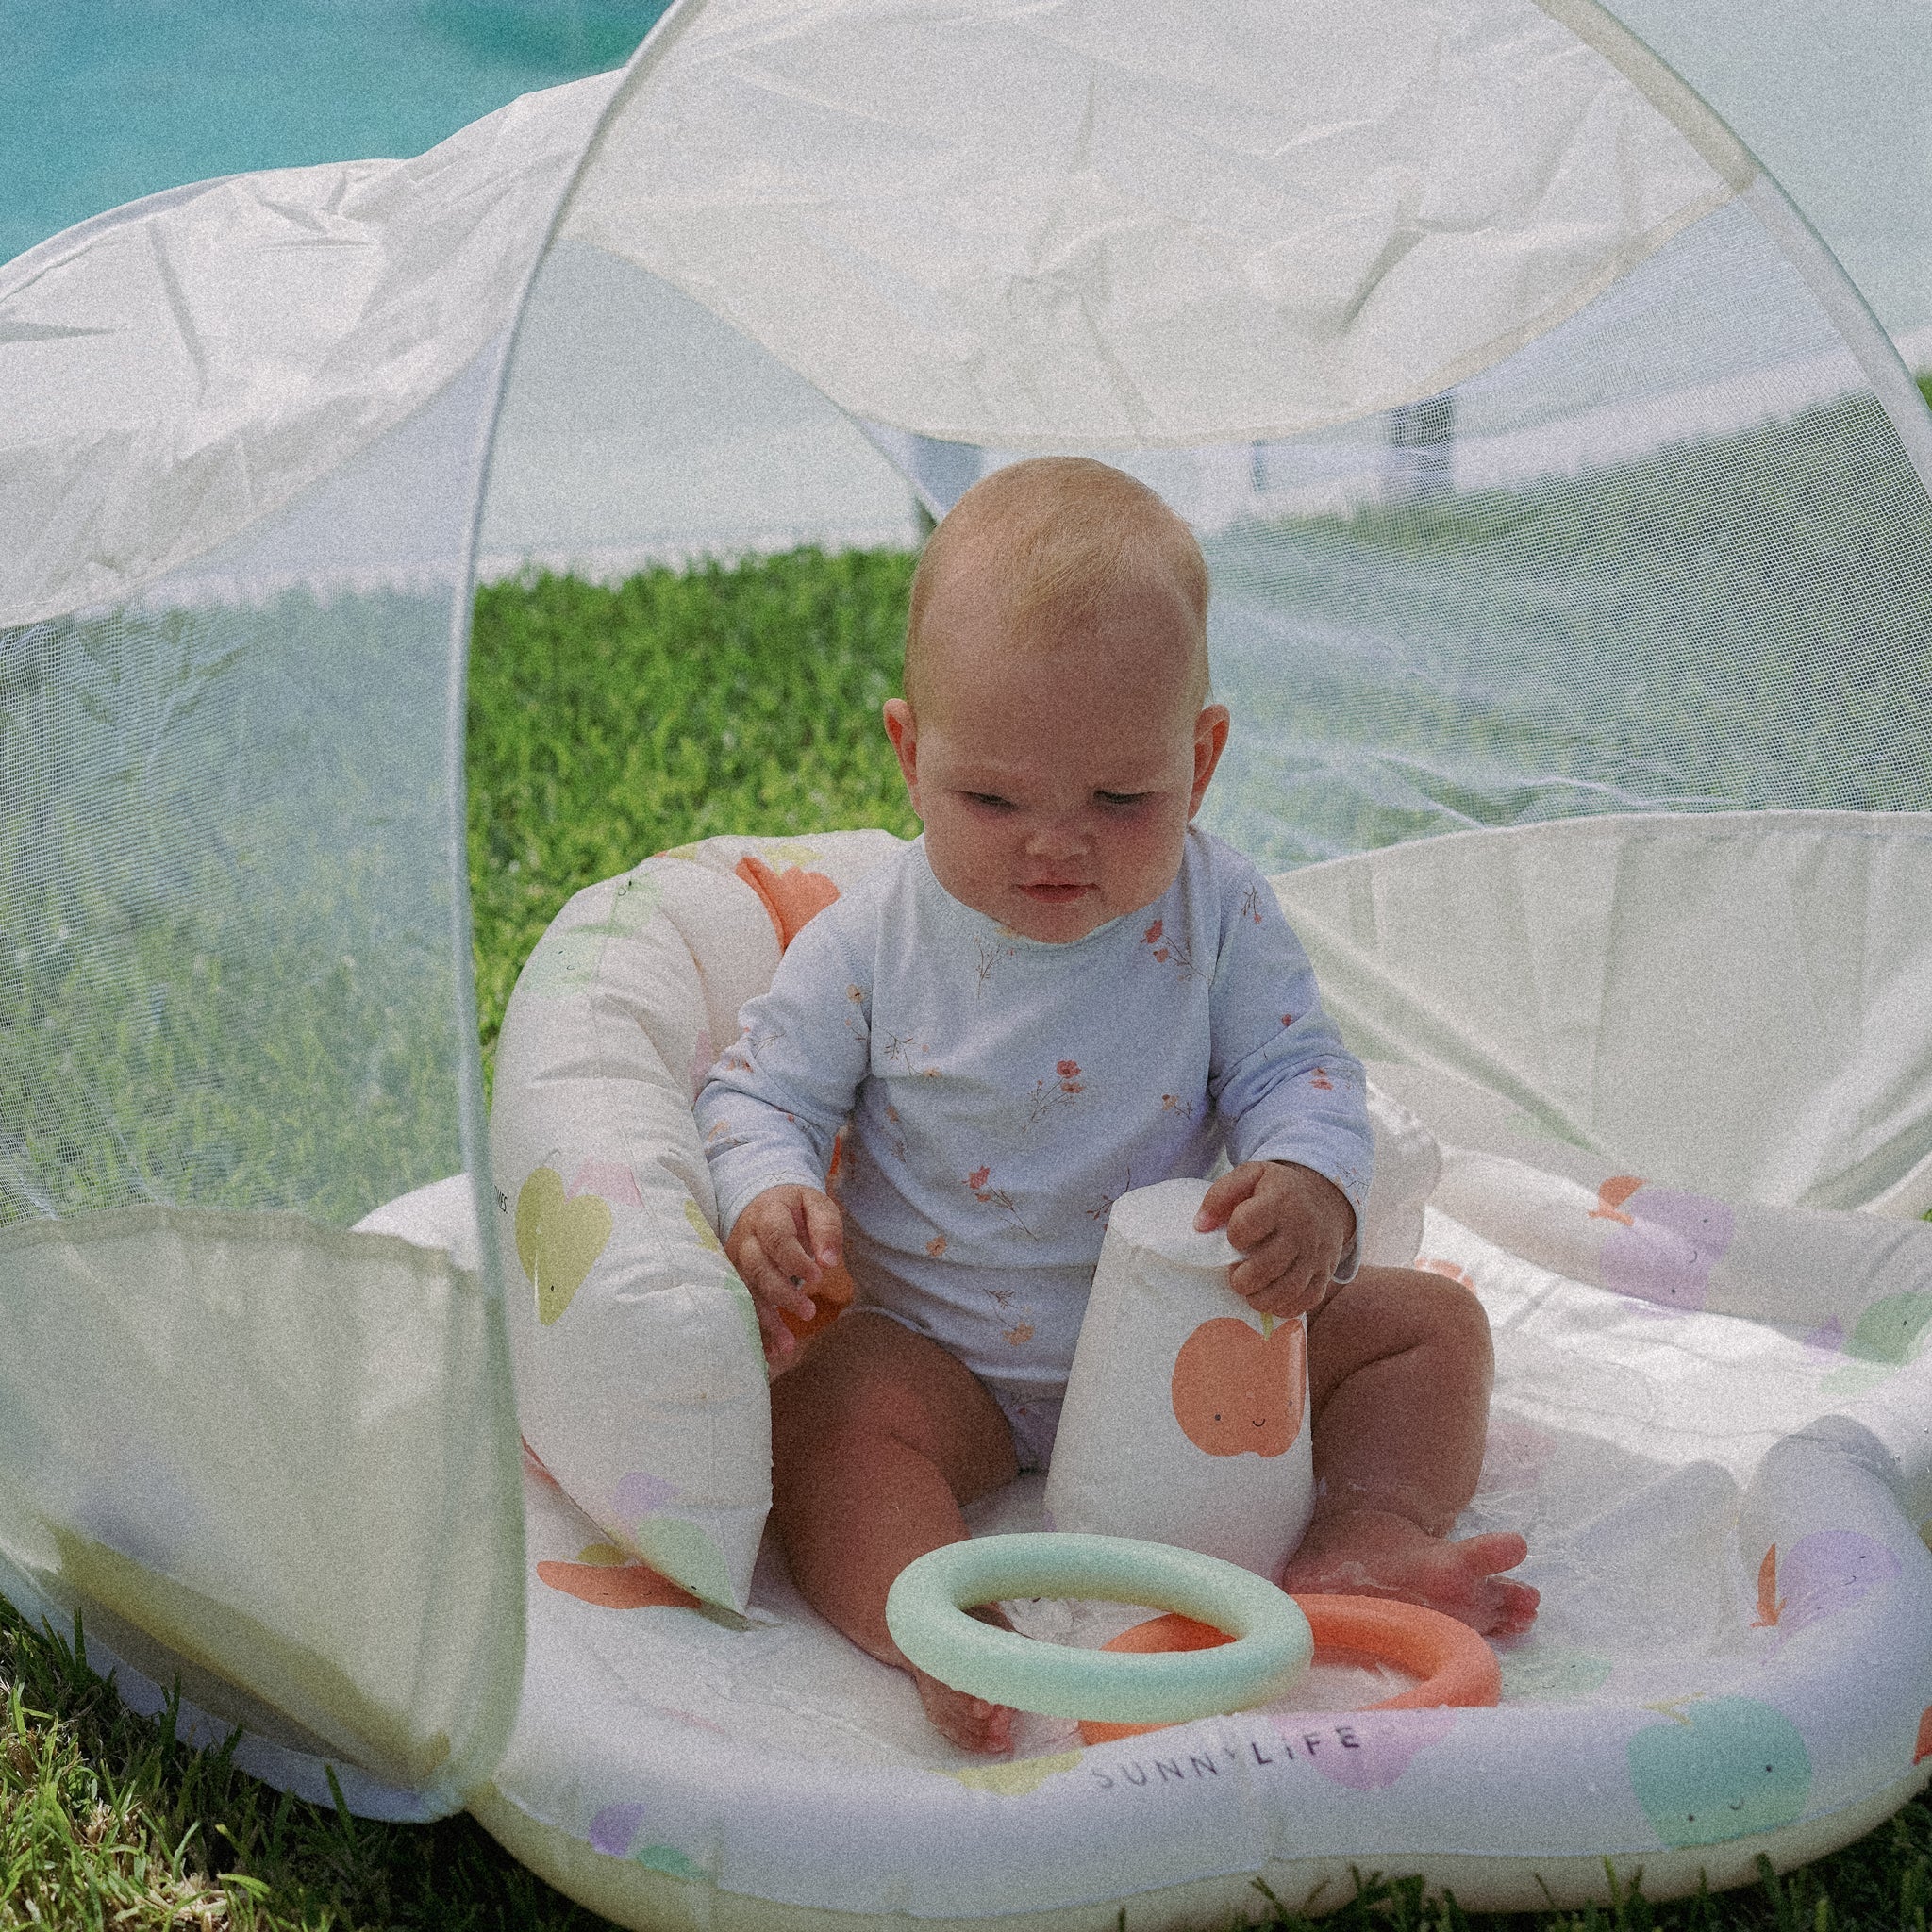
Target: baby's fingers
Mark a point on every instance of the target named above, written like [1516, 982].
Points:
[774, 1279]
[1225, 1196]
[825, 1228]
[780, 1343]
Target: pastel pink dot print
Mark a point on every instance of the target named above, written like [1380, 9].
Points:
[1664, 1244]
[1367, 1750]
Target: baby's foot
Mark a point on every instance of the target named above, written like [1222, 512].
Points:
[1377, 1552]
[970, 1723]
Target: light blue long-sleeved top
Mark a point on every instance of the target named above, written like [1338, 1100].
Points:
[1003, 1092]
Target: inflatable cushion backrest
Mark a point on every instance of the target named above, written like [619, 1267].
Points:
[640, 1380]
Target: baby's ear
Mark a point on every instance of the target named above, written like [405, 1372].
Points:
[1211, 741]
[901, 728]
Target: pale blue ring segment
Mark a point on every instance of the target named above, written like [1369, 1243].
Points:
[925, 1613]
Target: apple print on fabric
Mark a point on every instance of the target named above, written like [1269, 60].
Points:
[1892, 1329]
[612, 1830]
[565, 964]
[792, 898]
[1886, 1334]
[612, 1179]
[679, 1548]
[1237, 1388]
[1822, 1573]
[605, 1577]
[641, 1493]
[559, 1239]
[1017, 1779]
[1554, 1676]
[1664, 1243]
[1721, 1770]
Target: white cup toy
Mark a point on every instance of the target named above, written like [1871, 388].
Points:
[1185, 1417]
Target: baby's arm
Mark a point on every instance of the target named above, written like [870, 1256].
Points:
[768, 1114]
[1295, 1103]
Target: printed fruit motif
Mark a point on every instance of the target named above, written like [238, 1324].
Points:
[792, 898]
[1237, 1388]
[559, 1239]
[1888, 1334]
[1559, 1676]
[621, 1586]
[641, 1493]
[612, 1830]
[679, 1548]
[1367, 1750]
[1665, 1243]
[707, 1233]
[563, 965]
[1822, 1573]
[1721, 1770]
[611, 1179]
[1892, 1330]
[1017, 1778]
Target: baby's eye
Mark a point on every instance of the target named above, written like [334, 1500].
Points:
[991, 800]
[1120, 799]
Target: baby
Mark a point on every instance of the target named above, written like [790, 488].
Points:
[1064, 989]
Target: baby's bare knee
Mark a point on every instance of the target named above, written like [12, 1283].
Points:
[1446, 1311]
[1389, 1310]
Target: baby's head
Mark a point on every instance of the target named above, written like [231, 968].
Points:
[1055, 734]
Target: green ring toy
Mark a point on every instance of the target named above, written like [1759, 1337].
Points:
[925, 1613]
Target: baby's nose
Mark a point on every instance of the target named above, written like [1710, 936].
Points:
[1048, 838]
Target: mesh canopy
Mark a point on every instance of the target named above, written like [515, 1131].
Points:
[1670, 556]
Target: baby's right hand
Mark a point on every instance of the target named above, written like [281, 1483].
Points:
[781, 1244]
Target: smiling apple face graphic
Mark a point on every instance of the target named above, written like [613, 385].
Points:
[1665, 1243]
[1723, 1770]
[1237, 1389]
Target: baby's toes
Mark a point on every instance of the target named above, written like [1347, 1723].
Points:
[970, 1723]
[1493, 1550]
[1516, 1608]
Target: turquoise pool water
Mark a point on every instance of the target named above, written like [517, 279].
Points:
[102, 101]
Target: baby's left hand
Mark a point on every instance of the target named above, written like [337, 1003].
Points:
[1292, 1227]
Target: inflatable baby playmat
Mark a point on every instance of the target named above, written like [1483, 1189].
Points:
[1568, 558]
[1712, 1420]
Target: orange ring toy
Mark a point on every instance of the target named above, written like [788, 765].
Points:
[1452, 1663]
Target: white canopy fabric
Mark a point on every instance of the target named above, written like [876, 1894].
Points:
[1830, 95]
[1091, 224]
[1088, 223]
[177, 371]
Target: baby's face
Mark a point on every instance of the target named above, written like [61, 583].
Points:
[1056, 786]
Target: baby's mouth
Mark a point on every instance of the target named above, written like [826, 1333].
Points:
[1054, 891]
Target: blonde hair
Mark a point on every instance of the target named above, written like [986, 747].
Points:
[1067, 532]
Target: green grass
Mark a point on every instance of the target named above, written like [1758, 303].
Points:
[606, 724]
[226, 974]
[602, 726]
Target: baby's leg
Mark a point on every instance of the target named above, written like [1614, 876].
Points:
[1399, 1373]
[877, 1436]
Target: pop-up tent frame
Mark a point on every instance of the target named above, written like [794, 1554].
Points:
[1547, 464]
